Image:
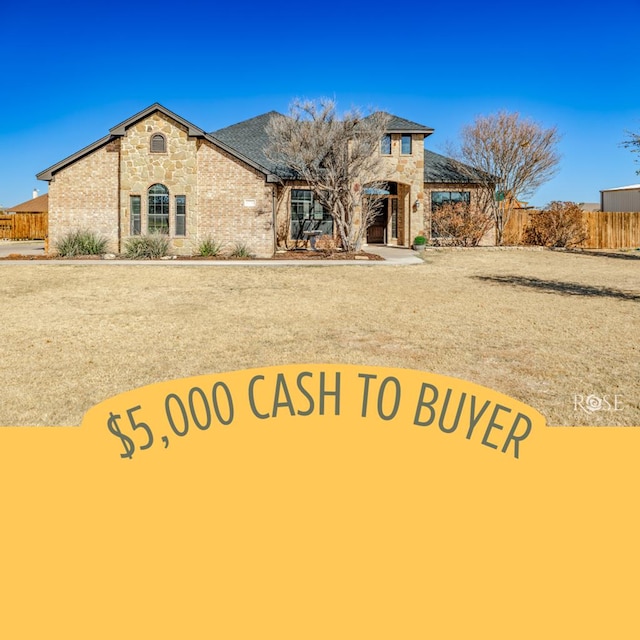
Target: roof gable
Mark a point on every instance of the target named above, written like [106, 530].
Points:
[120, 130]
[47, 174]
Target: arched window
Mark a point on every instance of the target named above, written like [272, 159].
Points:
[158, 209]
[158, 143]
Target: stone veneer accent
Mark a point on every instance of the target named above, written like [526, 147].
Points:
[408, 170]
[176, 169]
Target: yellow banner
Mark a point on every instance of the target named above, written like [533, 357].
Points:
[318, 501]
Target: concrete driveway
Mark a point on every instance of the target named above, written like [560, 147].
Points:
[23, 247]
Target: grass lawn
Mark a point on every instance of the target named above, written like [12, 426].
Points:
[541, 326]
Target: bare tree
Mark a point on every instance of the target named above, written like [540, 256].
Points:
[337, 156]
[511, 157]
[632, 143]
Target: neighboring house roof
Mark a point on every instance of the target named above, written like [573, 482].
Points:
[35, 205]
[439, 168]
[629, 187]
[120, 130]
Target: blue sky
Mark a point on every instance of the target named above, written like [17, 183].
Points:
[69, 74]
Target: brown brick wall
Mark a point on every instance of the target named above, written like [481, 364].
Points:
[84, 195]
[226, 188]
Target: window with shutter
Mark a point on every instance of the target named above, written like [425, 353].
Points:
[158, 143]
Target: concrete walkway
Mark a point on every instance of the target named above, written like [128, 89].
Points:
[391, 255]
[395, 255]
[23, 247]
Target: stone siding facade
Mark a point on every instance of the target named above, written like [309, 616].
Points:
[408, 171]
[176, 169]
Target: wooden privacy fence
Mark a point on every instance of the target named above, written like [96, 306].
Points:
[23, 226]
[607, 229]
[612, 230]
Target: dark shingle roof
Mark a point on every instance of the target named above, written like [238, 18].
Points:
[250, 138]
[401, 125]
[439, 168]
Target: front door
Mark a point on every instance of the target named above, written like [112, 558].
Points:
[377, 231]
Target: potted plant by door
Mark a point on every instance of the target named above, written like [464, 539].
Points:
[419, 243]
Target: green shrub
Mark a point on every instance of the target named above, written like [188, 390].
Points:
[153, 245]
[209, 248]
[419, 240]
[240, 250]
[81, 243]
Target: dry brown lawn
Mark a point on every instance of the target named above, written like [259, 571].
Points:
[540, 326]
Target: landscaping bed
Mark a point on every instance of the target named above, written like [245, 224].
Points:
[298, 254]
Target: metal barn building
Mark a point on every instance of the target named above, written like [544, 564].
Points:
[621, 198]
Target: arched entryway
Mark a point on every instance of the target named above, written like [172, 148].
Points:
[388, 226]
